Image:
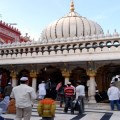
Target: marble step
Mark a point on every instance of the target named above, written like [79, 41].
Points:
[99, 106]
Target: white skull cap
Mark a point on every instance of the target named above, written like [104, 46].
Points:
[9, 83]
[24, 78]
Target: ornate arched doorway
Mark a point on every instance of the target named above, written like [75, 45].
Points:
[104, 76]
[4, 78]
[79, 74]
[49, 72]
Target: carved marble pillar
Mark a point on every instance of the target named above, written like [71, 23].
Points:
[33, 74]
[91, 86]
[66, 74]
[14, 80]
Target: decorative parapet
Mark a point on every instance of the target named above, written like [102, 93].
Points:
[63, 48]
[9, 26]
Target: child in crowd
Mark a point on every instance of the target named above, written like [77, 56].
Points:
[46, 108]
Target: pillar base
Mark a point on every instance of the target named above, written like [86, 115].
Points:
[92, 99]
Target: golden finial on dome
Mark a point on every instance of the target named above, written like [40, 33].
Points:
[72, 6]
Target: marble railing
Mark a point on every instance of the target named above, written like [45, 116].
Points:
[61, 47]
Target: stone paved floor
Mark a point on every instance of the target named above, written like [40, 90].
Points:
[92, 112]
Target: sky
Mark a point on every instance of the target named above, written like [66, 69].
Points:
[32, 16]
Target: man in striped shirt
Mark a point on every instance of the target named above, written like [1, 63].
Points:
[69, 96]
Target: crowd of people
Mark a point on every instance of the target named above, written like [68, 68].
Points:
[67, 94]
[24, 95]
[48, 92]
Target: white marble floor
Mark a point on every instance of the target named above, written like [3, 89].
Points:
[90, 114]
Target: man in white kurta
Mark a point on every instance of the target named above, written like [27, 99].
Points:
[41, 90]
[80, 93]
[114, 96]
[24, 96]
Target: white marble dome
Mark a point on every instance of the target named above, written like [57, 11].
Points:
[71, 25]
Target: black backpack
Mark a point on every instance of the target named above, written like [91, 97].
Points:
[76, 105]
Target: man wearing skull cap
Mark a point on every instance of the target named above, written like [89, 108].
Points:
[24, 96]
